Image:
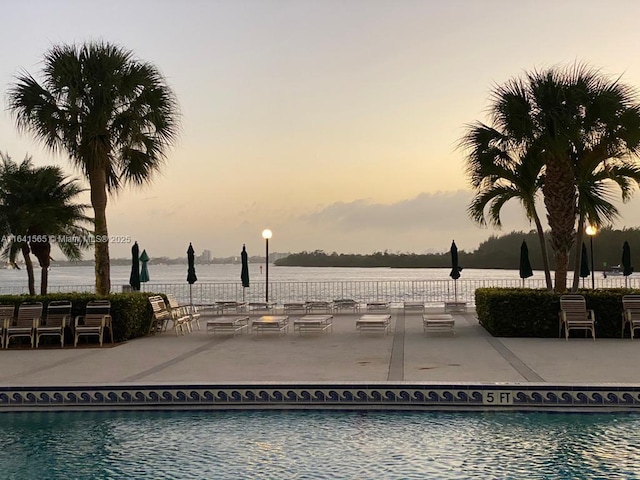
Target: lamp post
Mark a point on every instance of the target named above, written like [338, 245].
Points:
[591, 231]
[266, 234]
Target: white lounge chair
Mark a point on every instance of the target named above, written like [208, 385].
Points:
[373, 323]
[94, 322]
[58, 317]
[6, 318]
[630, 313]
[574, 315]
[162, 316]
[181, 311]
[29, 315]
[345, 304]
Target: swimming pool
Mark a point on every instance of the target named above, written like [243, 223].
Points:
[317, 445]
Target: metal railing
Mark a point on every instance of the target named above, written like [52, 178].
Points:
[395, 291]
[434, 292]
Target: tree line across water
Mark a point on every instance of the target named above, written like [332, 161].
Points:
[501, 252]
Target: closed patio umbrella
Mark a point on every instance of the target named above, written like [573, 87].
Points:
[584, 264]
[134, 278]
[455, 269]
[627, 269]
[244, 273]
[191, 270]
[144, 270]
[525, 264]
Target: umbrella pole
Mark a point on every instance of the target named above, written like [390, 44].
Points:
[455, 290]
[190, 298]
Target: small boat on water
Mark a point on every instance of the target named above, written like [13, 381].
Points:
[613, 271]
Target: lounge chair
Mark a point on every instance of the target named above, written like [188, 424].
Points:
[29, 315]
[438, 323]
[574, 315]
[313, 323]
[58, 317]
[295, 308]
[373, 323]
[231, 325]
[6, 318]
[413, 307]
[630, 313]
[96, 319]
[318, 306]
[180, 311]
[271, 323]
[162, 315]
[261, 308]
[379, 307]
[345, 304]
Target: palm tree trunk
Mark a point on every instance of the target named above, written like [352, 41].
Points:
[26, 253]
[44, 280]
[544, 251]
[560, 201]
[578, 255]
[42, 251]
[98, 183]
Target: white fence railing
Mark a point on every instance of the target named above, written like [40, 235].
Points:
[395, 291]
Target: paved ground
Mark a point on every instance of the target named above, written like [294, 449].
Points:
[406, 354]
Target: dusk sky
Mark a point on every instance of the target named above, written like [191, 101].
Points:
[332, 123]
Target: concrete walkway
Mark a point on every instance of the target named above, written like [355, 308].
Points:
[406, 354]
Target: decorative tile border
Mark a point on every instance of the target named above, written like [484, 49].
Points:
[385, 396]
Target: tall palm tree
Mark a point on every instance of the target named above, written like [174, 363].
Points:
[568, 114]
[38, 205]
[114, 116]
[499, 172]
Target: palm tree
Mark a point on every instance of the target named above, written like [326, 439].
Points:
[38, 205]
[597, 182]
[11, 217]
[500, 173]
[568, 114]
[112, 114]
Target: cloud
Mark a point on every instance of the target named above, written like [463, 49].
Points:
[440, 211]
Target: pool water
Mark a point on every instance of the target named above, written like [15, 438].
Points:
[318, 445]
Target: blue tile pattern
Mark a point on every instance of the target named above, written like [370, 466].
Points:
[389, 395]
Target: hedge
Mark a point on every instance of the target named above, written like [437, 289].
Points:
[522, 312]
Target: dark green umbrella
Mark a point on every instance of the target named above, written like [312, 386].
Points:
[134, 278]
[191, 270]
[144, 271]
[627, 269]
[584, 263]
[455, 269]
[191, 265]
[244, 273]
[525, 264]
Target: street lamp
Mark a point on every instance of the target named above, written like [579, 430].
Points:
[266, 234]
[591, 230]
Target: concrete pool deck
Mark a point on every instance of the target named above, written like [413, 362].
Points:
[405, 356]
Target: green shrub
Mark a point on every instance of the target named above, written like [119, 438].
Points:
[521, 312]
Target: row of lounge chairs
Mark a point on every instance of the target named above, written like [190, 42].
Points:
[29, 323]
[574, 315]
[303, 308]
[319, 323]
[182, 317]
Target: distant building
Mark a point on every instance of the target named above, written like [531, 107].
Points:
[205, 257]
